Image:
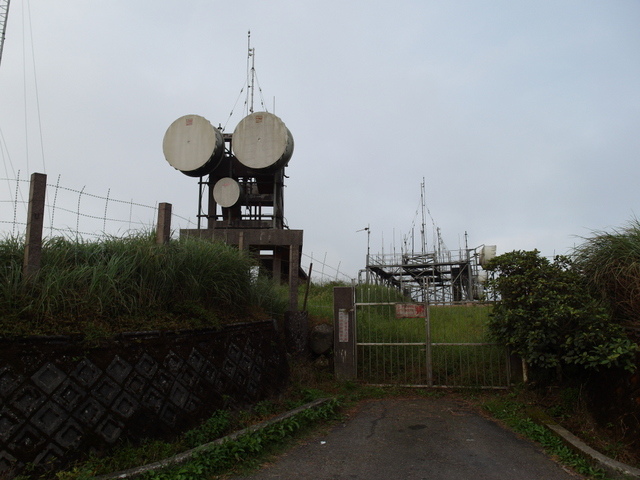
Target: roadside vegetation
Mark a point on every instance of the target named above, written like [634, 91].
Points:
[572, 320]
[516, 413]
[248, 452]
[564, 317]
[239, 452]
[547, 316]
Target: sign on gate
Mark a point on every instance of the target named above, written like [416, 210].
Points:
[410, 310]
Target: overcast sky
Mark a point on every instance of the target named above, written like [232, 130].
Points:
[523, 117]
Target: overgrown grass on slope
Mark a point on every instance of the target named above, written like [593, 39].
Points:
[610, 262]
[131, 283]
[319, 300]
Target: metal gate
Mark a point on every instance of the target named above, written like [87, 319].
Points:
[399, 342]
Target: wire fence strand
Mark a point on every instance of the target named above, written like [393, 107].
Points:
[323, 272]
[78, 213]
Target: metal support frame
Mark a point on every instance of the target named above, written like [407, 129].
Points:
[256, 223]
[451, 279]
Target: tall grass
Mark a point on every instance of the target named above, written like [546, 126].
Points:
[319, 300]
[610, 262]
[129, 283]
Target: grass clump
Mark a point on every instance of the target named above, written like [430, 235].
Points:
[118, 284]
[610, 264]
[319, 300]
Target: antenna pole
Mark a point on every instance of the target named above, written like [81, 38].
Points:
[422, 231]
[251, 73]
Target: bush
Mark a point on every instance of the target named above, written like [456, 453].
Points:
[546, 315]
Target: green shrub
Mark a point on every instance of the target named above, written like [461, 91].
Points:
[546, 315]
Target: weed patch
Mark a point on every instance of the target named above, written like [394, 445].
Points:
[514, 414]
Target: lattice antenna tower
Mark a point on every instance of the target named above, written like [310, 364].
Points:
[4, 13]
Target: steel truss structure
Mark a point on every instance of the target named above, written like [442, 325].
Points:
[436, 278]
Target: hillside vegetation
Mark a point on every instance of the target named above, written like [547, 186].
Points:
[130, 284]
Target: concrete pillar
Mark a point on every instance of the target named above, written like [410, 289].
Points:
[35, 223]
[163, 229]
[344, 343]
[276, 266]
[294, 268]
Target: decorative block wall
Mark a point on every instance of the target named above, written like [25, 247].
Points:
[60, 397]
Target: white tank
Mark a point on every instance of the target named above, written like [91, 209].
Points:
[226, 192]
[193, 146]
[487, 253]
[262, 141]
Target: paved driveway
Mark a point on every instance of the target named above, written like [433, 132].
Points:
[426, 438]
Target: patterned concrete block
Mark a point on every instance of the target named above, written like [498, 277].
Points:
[59, 398]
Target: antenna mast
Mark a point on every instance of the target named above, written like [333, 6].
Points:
[424, 221]
[4, 13]
[251, 72]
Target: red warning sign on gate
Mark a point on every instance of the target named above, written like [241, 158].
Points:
[410, 310]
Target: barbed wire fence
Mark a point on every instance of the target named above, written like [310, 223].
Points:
[322, 272]
[78, 214]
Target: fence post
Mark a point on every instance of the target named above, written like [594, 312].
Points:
[35, 222]
[163, 229]
[344, 350]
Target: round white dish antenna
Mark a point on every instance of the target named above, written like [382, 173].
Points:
[193, 146]
[226, 192]
[261, 141]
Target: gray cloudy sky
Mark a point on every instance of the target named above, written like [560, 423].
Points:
[522, 117]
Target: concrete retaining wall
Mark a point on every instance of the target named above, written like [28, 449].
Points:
[60, 397]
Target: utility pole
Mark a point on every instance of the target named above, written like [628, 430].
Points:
[368, 230]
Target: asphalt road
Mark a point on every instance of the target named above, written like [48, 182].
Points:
[426, 438]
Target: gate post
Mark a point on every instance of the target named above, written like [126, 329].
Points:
[344, 352]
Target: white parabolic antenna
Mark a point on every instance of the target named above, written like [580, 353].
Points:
[193, 146]
[261, 140]
[226, 192]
